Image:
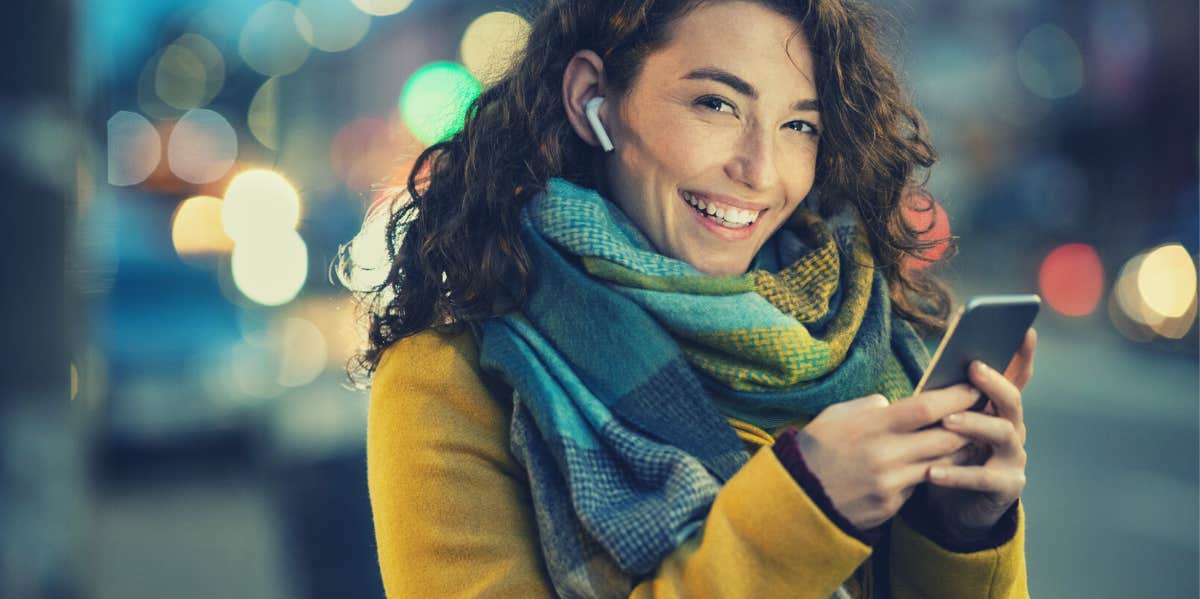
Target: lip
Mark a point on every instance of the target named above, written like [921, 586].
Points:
[722, 232]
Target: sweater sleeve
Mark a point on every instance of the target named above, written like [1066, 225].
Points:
[453, 516]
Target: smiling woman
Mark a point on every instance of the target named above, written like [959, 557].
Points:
[647, 331]
[720, 116]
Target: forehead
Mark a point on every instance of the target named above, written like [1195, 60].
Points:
[766, 48]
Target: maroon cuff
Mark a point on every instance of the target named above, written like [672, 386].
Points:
[787, 450]
[918, 515]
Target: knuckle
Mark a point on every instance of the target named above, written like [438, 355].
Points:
[1010, 433]
[922, 411]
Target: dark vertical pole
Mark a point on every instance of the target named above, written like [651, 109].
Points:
[42, 482]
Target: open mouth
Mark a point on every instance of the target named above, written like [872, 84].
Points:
[728, 217]
[729, 224]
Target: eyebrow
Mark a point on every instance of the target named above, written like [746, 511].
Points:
[742, 86]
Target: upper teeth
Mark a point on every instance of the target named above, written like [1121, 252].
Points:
[729, 214]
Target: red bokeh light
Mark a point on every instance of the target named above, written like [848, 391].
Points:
[1072, 279]
[921, 211]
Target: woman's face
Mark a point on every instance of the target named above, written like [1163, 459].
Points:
[723, 116]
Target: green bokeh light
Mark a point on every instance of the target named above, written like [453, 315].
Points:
[435, 100]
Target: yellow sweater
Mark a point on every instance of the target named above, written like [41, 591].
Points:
[453, 516]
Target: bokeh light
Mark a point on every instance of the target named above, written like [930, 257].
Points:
[270, 268]
[335, 317]
[202, 147]
[263, 116]
[254, 369]
[492, 42]
[435, 100]
[1167, 280]
[1049, 62]
[369, 150]
[196, 228]
[1126, 326]
[924, 213]
[147, 93]
[259, 202]
[1071, 279]
[1156, 292]
[74, 382]
[189, 73]
[1129, 297]
[179, 77]
[382, 8]
[270, 42]
[331, 25]
[303, 351]
[134, 148]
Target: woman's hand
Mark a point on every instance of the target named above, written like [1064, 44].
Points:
[869, 456]
[982, 480]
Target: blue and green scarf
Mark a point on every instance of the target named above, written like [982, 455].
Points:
[628, 367]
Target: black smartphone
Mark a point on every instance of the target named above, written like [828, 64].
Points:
[989, 328]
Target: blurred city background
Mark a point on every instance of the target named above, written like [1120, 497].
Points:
[197, 164]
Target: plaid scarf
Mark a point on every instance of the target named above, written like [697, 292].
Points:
[628, 366]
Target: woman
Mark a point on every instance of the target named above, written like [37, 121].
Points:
[649, 331]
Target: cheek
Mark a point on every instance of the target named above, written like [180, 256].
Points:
[679, 147]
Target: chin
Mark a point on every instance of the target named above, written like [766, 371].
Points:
[720, 267]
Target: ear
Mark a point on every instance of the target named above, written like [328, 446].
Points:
[583, 80]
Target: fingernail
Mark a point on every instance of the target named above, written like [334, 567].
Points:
[981, 368]
[954, 418]
[937, 472]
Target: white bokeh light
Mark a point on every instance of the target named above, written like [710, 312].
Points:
[259, 201]
[270, 42]
[331, 25]
[303, 351]
[1167, 280]
[382, 8]
[271, 267]
[134, 148]
[202, 147]
[491, 43]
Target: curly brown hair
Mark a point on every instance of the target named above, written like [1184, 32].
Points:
[456, 218]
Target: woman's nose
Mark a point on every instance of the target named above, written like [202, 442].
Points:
[753, 160]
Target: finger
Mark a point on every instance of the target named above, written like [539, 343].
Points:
[930, 444]
[1004, 395]
[1020, 368]
[1001, 481]
[929, 407]
[997, 432]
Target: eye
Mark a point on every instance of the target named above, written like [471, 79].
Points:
[804, 127]
[715, 103]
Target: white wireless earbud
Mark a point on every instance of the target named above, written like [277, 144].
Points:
[592, 109]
